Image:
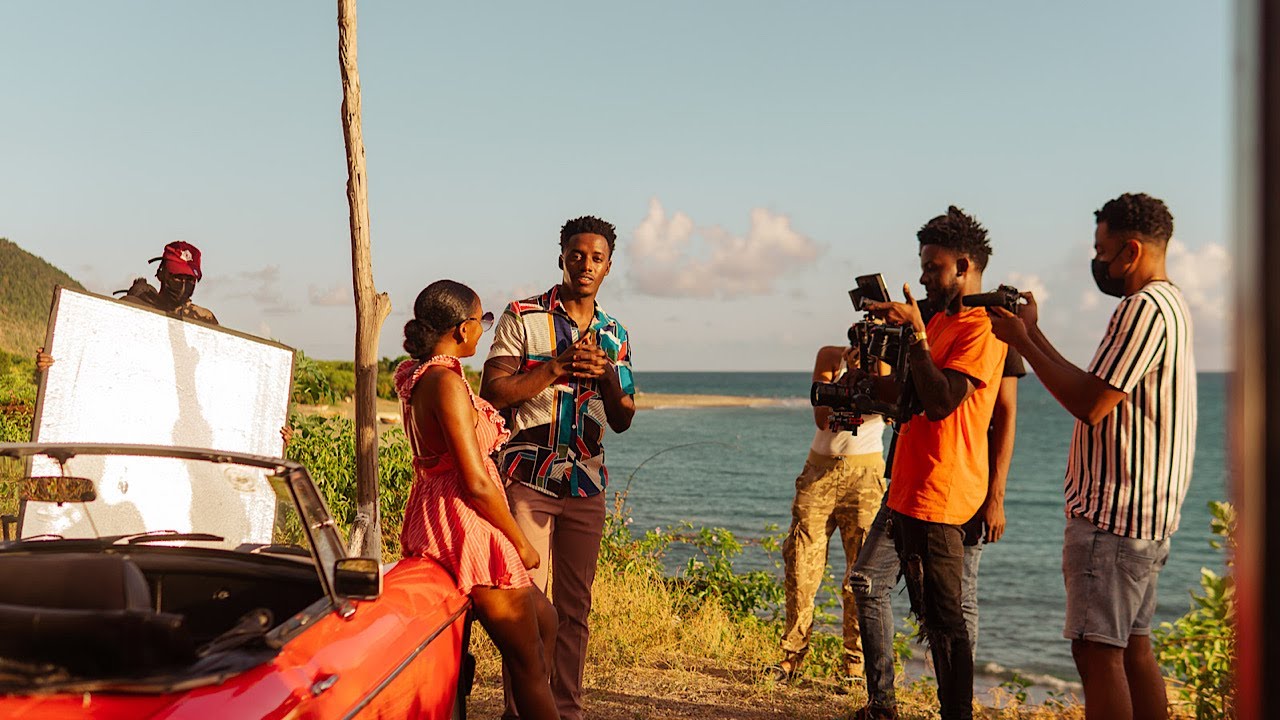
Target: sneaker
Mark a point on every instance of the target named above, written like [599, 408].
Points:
[783, 672]
[870, 712]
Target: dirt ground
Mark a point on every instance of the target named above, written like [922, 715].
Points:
[713, 693]
[676, 694]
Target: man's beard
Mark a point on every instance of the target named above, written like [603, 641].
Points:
[940, 302]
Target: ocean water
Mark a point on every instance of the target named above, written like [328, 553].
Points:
[736, 468]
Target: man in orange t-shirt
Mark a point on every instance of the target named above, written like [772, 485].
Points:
[941, 468]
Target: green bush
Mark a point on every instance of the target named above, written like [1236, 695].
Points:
[310, 383]
[709, 574]
[17, 405]
[326, 447]
[1198, 650]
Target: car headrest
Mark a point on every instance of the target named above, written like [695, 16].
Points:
[73, 581]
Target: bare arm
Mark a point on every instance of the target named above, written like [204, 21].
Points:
[444, 396]
[940, 390]
[825, 367]
[1000, 437]
[503, 387]
[1086, 396]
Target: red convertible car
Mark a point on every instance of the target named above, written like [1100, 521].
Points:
[158, 582]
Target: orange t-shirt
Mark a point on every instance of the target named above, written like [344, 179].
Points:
[940, 469]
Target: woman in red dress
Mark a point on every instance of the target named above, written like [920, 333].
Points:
[457, 511]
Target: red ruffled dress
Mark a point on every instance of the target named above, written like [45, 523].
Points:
[438, 521]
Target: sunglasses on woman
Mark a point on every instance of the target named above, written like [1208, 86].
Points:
[485, 320]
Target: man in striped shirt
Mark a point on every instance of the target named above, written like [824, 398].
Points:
[1131, 452]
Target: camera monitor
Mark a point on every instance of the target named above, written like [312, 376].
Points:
[870, 288]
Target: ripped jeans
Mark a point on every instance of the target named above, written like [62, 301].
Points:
[872, 581]
[932, 557]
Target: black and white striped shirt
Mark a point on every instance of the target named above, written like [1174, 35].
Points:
[1129, 473]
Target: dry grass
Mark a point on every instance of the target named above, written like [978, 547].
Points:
[646, 661]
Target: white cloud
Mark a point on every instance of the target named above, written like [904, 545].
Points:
[1029, 282]
[671, 257]
[1090, 299]
[1204, 276]
[496, 300]
[337, 296]
[264, 287]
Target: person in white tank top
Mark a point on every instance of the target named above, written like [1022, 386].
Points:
[841, 487]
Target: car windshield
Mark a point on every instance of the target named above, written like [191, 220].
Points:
[134, 499]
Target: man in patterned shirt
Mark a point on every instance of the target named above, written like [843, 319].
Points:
[560, 370]
[1130, 459]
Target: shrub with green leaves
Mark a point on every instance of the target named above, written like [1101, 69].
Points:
[1198, 650]
[710, 573]
[326, 447]
[17, 404]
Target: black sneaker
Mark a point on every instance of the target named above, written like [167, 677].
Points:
[871, 712]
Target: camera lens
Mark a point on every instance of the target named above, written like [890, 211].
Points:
[831, 395]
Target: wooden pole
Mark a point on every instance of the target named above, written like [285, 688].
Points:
[372, 307]
[1254, 410]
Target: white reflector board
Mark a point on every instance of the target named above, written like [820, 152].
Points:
[127, 374]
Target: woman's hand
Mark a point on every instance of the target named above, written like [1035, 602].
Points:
[528, 555]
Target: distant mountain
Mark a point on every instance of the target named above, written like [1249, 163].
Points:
[26, 292]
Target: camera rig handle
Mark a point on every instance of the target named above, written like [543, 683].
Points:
[1005, 296]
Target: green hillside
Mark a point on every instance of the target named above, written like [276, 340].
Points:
[26, 291]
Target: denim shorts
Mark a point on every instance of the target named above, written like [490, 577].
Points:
[1111, 583]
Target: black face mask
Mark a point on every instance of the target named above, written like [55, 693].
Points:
[177, 292]
[1102, 277]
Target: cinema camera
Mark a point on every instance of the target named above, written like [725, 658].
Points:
[876, 342]
[1005, 296]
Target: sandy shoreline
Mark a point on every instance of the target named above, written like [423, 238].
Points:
[389, 410]
[653, 401]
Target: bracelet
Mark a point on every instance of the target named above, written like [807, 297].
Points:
[920, 337]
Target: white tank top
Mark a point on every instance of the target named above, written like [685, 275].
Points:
[868, 440]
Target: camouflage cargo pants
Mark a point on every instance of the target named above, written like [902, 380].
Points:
[841, 492]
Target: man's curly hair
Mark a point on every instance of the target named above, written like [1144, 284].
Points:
[1137, 214]
[959, 232]
[588, 224]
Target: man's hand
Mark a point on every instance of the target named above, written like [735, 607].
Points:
[286, 434]
[993, 518]
[895, 313]
[1014, 329]
[850, 358]
[43, 360]
[1008, 327]
[1028, 311]
[583, 360]
[852, 376]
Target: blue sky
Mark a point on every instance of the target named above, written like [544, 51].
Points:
[754, 156]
